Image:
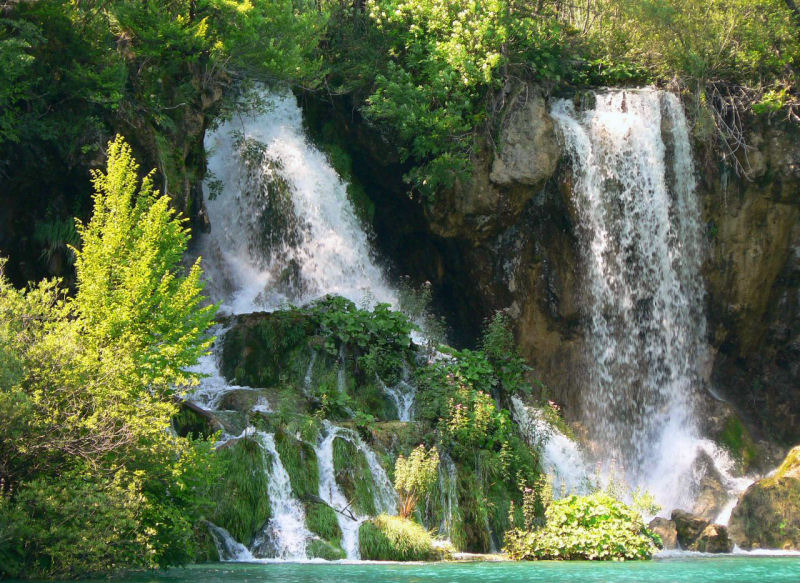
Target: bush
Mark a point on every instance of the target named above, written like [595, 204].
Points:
[594, 527]
[392, 538]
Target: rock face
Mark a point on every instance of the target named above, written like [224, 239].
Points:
[528, 151]
[503, 181]
[712, 494]
[667, 530]
[509, 241]
[694, 533]
[768, 513]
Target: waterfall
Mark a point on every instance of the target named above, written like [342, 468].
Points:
[228, 548]
[329, 491]
[560, 456]
[286, 531]
[448, 493]
[639, 230]
[282, 227]
[402, 394]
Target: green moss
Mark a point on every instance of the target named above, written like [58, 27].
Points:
[267, 350]
[321, 520]
[300, 462]
[354, 477]
[242, 505]
[790, 465]
[188, 422]
[206, 550]
[320, 549]
[392, 538]
[737, 439]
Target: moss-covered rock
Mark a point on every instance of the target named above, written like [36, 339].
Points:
[392, 538]
[768, 513]
[242, 504]
[321, 549]
[300, 462]
[266, 349]
[354, 477]
[736, 438]
[194, 420]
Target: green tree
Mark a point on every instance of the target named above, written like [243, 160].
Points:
[93, 480]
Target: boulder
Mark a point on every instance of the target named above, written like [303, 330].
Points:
[688, 526]
[712, 495]
[665, 528]
[713, 539]
[768, 513]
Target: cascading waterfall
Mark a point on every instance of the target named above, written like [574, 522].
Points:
[448, 484]
[283, 231]
[640, 236]
[286, 531]
[329, 491]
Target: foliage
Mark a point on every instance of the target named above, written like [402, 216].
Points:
[594, 527]
[86, 401]
[414, 477]
[392, 538]
[354, 476]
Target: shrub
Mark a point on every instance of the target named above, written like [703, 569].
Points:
[392, 538]
[414, 477]
[594, 527]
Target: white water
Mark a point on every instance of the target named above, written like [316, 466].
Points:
[227, 547]
[561, 458]
[640, 235]
[385, 500]
[320, 247]
[448, 484]
[286, 529]
[402, 394]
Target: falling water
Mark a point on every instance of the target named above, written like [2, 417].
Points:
[228, 548]
[282, 227]
[560, 456]
[286, 530]
[640, 236]
[448, 484]
[283, 231]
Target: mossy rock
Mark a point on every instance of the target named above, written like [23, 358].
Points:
[392, 538]
[321, 549]
[242, 504]
[737, 440]
[768, 513]
[321, 520]
[267, 349]
[353, 477]
[193, 420]
[300, 462]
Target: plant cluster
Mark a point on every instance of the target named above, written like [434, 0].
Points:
[594, 527]
[414, 477]
[392, 538]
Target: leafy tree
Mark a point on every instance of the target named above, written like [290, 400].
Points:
[94, 481]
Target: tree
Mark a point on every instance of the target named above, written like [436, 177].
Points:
[92, 479]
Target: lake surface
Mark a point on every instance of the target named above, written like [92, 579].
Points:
[728, 569]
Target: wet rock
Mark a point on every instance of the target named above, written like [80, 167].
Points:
[689, 527]
[713, 539]
[712, 495]
[768, 513]
[667, 530]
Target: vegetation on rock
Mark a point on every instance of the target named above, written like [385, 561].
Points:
[393, 538]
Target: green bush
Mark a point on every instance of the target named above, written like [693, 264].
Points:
[594, 527]
[391, 538]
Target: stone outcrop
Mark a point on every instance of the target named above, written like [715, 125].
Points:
[504, 180]
[688, 526]
[667, 530]
[768, 513]
[713, 539]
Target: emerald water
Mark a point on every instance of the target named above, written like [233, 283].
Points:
[692, 569]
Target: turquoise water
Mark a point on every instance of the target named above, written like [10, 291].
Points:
[729, 569]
